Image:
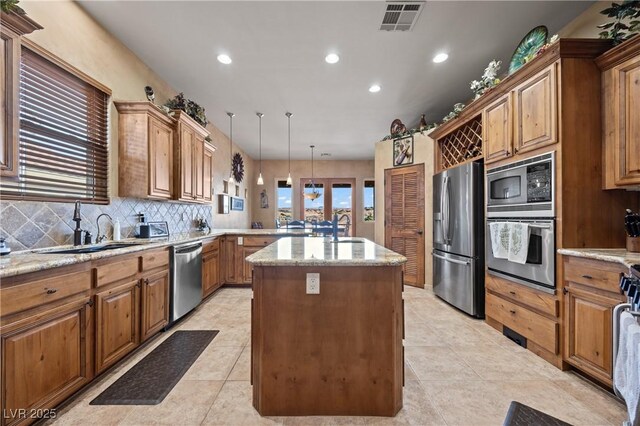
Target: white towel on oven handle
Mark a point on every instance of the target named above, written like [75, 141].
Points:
[518, 242]
[626, 375]
[500, 236]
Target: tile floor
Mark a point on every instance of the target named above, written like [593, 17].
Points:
[459, 371]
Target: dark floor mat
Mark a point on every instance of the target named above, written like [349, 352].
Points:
[151, 379]
[523, 415]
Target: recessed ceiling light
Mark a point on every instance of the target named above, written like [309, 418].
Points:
[332, 58]
[440, 57]
[224, 59]
[374, 88]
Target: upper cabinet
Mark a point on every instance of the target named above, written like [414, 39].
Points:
[145, 154]
[169, 155]
[190, 156]
[497, 129]
[523, 114]
[12, 26]
[621, 113]
[536, 111]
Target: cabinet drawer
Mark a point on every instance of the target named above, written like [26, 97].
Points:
[110, 272]
[593, 273]
[535, 327]
[34, 293]
[536, 300]
[211, 245]
[259, 241]
[155, 259]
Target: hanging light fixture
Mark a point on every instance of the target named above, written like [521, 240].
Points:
[260, 115]
[314, 194]
[230, 114]
[289, 180]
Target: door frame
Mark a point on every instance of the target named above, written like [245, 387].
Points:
[328, 197]
[387, 204]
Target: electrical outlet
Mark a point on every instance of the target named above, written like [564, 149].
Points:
[313, 283]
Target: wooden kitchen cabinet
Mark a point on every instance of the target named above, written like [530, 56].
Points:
[155, 303]
[189, 154]
[621, 114]
[536, 111]
[247, 268]
[145, 154]
[117, 322]
[497, 136]
[207, 170]
[12, 27]
[231, 256]
[46, 357]
[590, 294]
[210, 267]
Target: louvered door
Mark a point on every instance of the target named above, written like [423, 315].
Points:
[404, 219]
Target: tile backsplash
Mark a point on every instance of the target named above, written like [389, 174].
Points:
[28, 225]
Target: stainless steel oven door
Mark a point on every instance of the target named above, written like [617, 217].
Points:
[540, 269]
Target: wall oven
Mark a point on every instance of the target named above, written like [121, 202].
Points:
[523, 188]
[540, 268]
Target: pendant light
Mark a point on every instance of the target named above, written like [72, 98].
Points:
[289, 180]
[260, 115]
[230, 114]
[314, 194]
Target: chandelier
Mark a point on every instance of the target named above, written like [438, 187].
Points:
[314, 194]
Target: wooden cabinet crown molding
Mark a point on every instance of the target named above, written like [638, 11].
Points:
[19, 24]
[619, 54]
[142, 107]
[564, 48]
[183, 117]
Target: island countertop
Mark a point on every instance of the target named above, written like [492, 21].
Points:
[619, 255]
[321, 251]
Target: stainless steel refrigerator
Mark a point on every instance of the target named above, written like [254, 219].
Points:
[458, 237]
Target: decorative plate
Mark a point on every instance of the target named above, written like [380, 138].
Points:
[237, 167]
[528, 47]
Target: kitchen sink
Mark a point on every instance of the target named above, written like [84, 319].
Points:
[91, 249]
[347, 241]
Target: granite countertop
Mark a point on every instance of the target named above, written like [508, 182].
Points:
[618, 255]
[320, 251]
[23, 262]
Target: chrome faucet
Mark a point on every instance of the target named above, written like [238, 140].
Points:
[335, 225]
[77, 233]
[100, 238]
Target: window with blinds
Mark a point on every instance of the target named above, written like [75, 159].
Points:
[62, 147]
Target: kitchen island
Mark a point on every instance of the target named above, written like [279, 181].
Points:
[327, 348]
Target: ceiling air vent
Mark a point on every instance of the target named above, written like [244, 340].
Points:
[401, 15]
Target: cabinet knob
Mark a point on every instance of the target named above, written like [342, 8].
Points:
[512, 311]
[589, 277]
[565, 290]
[146, 281]
[52, 290]
[512, 292]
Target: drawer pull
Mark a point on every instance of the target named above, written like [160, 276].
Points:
[512, 292]
[512, 311]
[52, 290]
[589, 277]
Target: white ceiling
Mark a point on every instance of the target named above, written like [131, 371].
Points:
[278, 50]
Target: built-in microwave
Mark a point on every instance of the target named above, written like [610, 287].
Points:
[523, 188]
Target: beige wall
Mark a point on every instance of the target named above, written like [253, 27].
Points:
[423, 154]
[273, 170]
[585, 24]
[71, 34]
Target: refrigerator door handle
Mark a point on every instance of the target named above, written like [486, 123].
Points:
[447, 206]
[458, 262]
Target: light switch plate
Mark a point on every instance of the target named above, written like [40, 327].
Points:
[313, 283]
[240, 241]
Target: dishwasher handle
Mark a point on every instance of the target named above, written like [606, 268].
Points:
[188, 248]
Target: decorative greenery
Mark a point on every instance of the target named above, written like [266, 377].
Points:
[489, 79]
[192, 109]
[411, 132]
[618, 30]
[9, 6]
[457, 109]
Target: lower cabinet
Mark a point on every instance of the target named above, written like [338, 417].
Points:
[590, 294]
[231, 270]
[247, 268]
[210, 272]
[46, 357]
[155, 304]
[117, 322]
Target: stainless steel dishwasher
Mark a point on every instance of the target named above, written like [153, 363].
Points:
[186, 279]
